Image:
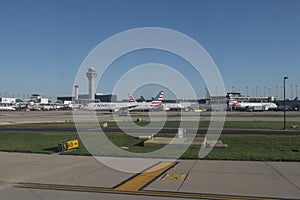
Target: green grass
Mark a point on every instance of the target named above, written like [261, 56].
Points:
[241, 147]
[254, 147]
[259, 125]
[33, 142]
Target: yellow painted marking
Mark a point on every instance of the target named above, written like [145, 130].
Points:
[139, 181]
[139, 192]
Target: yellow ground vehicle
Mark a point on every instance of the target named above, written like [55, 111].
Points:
[68, 145]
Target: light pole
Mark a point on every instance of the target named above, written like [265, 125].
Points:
[256, 91]
[284, 109]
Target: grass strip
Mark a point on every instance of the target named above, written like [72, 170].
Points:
[240, 147]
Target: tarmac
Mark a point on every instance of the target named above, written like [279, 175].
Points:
[16, 117]
[39, 176]
[22, 117]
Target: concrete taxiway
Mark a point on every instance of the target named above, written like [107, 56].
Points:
[15, 117]
[37, 176]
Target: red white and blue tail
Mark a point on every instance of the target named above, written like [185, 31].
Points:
[131, 98]
[158, 99]
[233, 101]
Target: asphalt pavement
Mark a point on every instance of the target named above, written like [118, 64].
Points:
[16, 117]
[21, 117]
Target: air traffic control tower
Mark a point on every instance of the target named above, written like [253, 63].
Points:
[91, 75]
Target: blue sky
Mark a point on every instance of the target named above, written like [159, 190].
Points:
[42, 43]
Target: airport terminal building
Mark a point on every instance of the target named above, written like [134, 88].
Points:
[84, 98]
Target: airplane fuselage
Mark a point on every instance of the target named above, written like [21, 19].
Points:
[7, 108]
[109, 106]
[265, 106]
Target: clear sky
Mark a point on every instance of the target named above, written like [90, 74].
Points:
[254, 43]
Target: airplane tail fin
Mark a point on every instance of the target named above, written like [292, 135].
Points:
[232, 100]
[131, 98]
[158, 99]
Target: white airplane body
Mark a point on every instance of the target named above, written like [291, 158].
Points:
[140, 106]
[74, 106]
[265, 106]
[172, 106]
[122, 107]
[109, 106]
[6, 107]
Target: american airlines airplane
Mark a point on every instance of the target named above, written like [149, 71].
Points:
[164, 106]
[248, 105]
[123, 108]
[145, 106]
[173, 106]
[6, 108]
[118, 107]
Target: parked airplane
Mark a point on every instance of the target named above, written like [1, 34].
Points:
[173, 106]
[176, 106]
[155, 104]
[114, 107]
[123, 108]
[251, 105]
[7, 108]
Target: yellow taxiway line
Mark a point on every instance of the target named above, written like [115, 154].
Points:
[136, 183]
